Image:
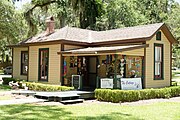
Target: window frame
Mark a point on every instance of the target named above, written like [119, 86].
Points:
[22, 53]
[39, 65]
[162, 62]
[158, 36]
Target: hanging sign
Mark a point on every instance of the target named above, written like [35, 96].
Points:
[106, 83]
[131, 84]
[76, 81]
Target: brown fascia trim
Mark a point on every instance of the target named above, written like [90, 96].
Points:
[70, 42]
[165, 29]
[57, 42]
[51, 42]
[107, 51]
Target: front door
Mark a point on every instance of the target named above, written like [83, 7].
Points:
[92, 72]
[87, 70]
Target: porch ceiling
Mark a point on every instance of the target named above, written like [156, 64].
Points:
[91, 51]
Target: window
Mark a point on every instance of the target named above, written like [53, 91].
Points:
[158, 61]
[158, 35]
[24, 62]
[43, 64]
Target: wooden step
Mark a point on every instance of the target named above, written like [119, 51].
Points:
[72, 101]
[60, 98]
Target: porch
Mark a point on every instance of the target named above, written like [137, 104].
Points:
[104, 67]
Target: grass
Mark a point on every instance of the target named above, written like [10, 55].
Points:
[174, 73]
[91, 111]
[176, 76]
[5, 87]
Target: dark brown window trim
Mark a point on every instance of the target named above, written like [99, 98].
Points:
[23, 52]
[162, 64]
[158, 36]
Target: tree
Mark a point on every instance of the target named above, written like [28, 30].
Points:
[12, 27]
[85, 11]
[173, 23]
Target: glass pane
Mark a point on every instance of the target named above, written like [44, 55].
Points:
[157, 69]
[43, 64]
[24, 63]
[157, 53]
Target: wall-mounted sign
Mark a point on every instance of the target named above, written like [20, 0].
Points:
[131, 84]
[76, 81]
[106, 83]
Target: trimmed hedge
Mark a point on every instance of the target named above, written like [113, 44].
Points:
[116, 96]
[6, 80]
[46, 87]
[37, 86]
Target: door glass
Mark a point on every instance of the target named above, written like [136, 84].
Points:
[92, 65]
[43, 64]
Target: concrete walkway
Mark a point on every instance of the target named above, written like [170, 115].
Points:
[20, 101]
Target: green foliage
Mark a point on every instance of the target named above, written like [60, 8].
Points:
[174, 83]
[88, 14]
[46, 87]
[12, 28]
[11, 23]
[7, 80]
[135, 95]
[4, 87]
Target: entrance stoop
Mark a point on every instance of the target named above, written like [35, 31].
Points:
[65, 97]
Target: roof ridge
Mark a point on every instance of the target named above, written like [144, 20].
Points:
[67, 27]
[138, 26]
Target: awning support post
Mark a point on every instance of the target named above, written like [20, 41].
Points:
[115, 71]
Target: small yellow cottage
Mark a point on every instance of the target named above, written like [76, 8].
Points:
[107, 59]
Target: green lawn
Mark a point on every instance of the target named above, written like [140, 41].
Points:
[174, 73]
[91, 111]
[5, 87]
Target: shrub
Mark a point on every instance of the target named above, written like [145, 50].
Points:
[173, 83]
[135, 95]
[46, 87]
[7, 80]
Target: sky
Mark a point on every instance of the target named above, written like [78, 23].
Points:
[22, 2]
[178, 1]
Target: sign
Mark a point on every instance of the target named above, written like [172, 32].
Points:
[106, 83]
[76, 81]
[131, 84]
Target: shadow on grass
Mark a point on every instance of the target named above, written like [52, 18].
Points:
[34, 112]
[111, 116]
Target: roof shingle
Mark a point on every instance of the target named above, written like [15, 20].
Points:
[89, 36]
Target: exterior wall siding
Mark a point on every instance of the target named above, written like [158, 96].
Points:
[54, 63]
[137, 52]
[149, 73]
[71, 47]
[17, 63]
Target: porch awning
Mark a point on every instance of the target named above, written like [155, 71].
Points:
[101, 50]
